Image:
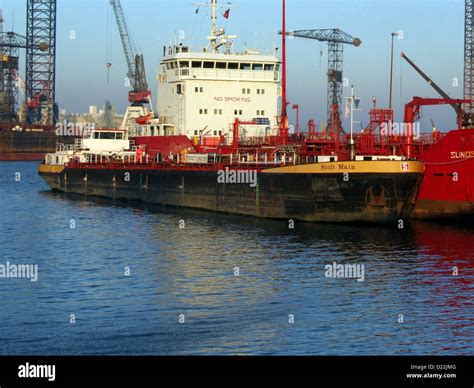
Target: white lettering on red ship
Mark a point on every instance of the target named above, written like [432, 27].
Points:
[462, 154]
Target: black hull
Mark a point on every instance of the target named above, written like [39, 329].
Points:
[367, 197]
[16, 145]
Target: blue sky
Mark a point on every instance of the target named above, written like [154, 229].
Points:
[432, 36]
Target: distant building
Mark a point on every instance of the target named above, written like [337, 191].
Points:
[93, 110]
[106, 117]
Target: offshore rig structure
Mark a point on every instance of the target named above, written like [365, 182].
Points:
[38, 85]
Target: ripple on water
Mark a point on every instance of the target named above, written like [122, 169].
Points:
[190, 274]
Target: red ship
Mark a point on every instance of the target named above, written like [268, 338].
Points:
[447, 191]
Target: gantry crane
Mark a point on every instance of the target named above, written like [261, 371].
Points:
[136, 66]
[336, 40]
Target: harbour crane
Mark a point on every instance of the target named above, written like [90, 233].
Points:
[336, 40]
[140, 94]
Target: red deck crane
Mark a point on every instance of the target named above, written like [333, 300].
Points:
[461, 116]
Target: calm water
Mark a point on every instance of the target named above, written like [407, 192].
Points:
[190, 271]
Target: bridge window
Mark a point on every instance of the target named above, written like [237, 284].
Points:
[245, 66]
[233, 66]
[268, 67]
[184, 64]
[209, 65]
[197, 65]
[221, 65]
[107, 135]
[257, 66]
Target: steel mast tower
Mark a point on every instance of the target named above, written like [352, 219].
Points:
[41, 61]
[10, 44]
[468, 56]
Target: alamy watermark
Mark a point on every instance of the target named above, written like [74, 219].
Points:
[19, 271]
[228, 176]
[32, 371]
[345, 271]
[401, 129]
[68, 128]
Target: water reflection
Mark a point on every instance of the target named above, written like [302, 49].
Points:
[191, 271]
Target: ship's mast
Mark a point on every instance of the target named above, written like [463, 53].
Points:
[217, 37]
[213, 37]
[284, 102]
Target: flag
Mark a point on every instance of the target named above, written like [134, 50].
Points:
[348, 109]
[197, 11]
[227, 14]
[356, 103]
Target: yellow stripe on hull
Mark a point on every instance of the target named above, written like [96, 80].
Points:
[50, 169]
[355, 167]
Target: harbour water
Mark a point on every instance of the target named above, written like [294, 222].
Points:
[125, 279]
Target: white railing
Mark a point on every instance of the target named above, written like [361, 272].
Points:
[60, 147]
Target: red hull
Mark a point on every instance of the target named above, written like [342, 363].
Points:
[164, 145]
[448, 187]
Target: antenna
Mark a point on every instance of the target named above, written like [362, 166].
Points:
[217, 37]
[284, 102]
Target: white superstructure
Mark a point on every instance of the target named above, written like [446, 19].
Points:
[100, 145]
[200, 94]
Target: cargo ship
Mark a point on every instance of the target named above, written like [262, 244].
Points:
[221, 142]
[27, 143]
[269, 185]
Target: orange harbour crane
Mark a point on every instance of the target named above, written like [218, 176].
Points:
[136, 66]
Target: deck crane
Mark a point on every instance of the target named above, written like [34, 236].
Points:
[136, 66]
[461, 115]
[336, 40]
